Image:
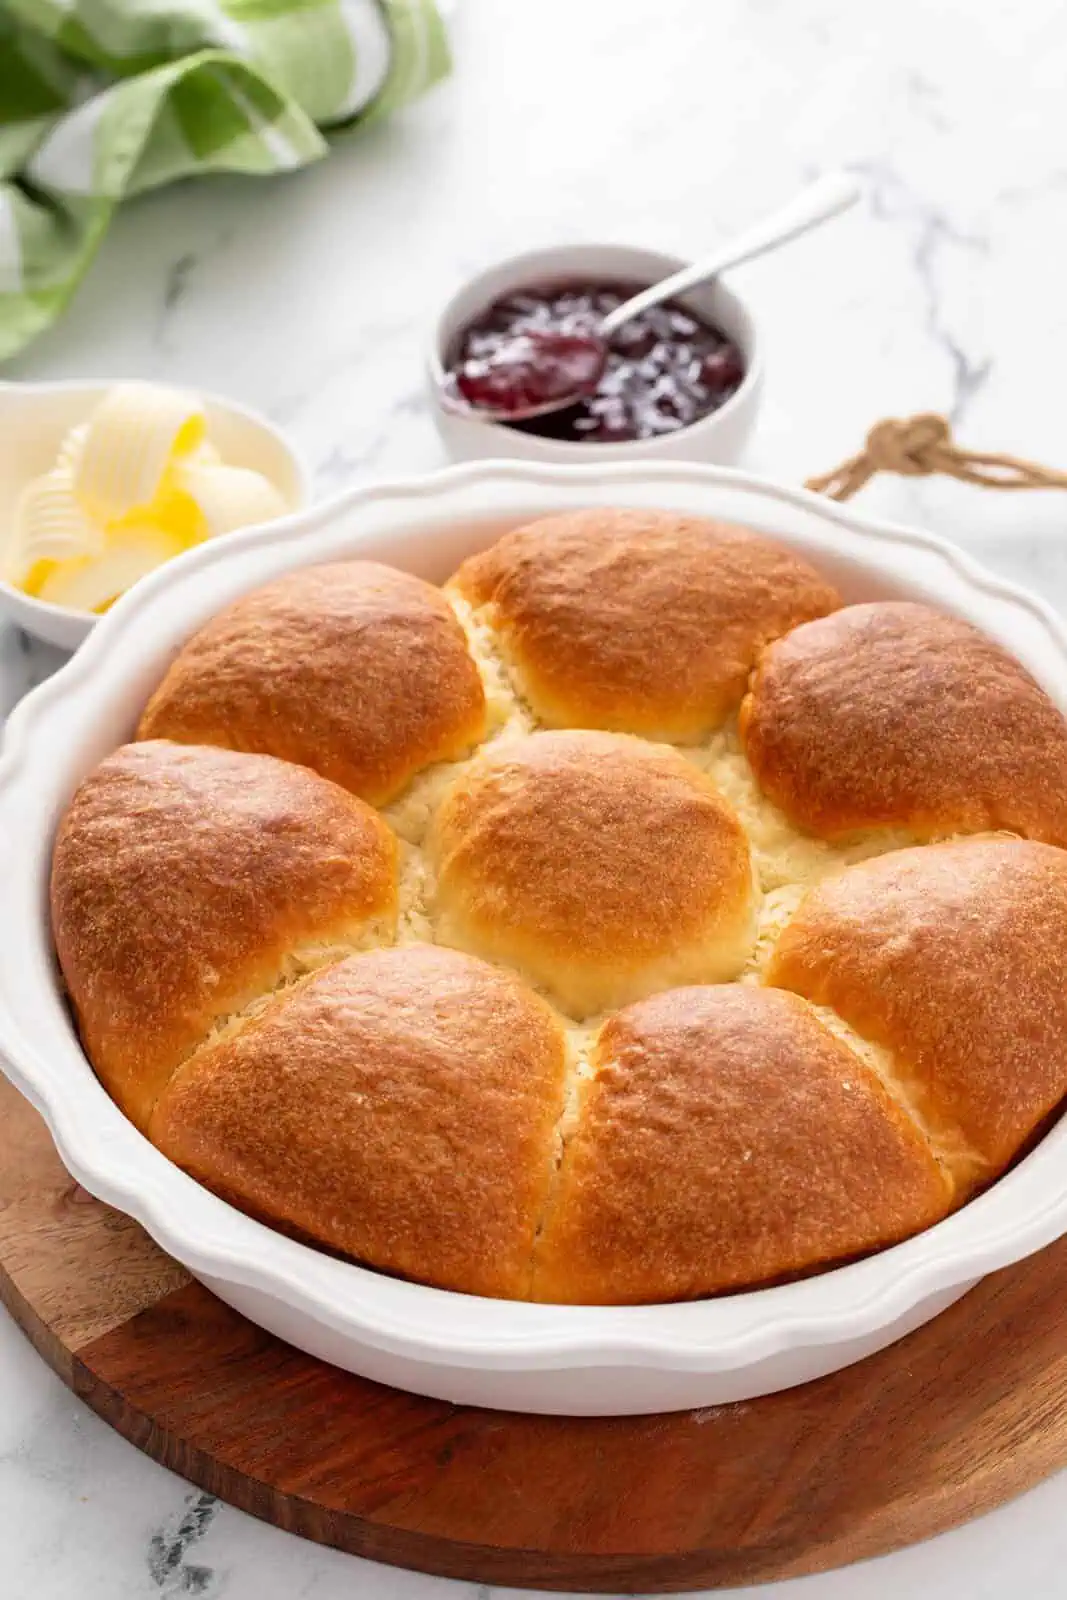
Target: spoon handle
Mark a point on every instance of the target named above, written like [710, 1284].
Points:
[824, 198]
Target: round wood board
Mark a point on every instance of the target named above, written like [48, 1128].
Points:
[950, 1422]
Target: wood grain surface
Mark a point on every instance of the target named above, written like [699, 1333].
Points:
[945, 1425]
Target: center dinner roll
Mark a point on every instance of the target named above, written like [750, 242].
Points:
[189, 883]
[728, 1139]
[640, 621]
[356, 670]
[893, 715]
[601, 866]
[400, 1108]
[954, 958]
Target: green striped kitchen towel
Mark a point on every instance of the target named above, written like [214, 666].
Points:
[100, 99]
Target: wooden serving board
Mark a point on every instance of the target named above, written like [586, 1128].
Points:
[947, 1424]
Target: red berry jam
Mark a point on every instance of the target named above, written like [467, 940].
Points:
[665, 369]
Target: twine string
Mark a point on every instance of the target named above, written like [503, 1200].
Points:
[918, 447]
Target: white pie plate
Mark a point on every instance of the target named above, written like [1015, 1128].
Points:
[577, 1360]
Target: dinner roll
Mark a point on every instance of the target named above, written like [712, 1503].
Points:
[601, 866]
[642, 621]
[399, 1107]
[728, 1139]
[356, 670]
[894, 715]
[187, 883]
[954, 958]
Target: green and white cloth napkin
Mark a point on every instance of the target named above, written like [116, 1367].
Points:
[100, 99]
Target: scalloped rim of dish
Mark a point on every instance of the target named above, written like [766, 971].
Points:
[1024, 1211]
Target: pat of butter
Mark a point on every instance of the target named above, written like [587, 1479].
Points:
[92, 583]
[51, 526]
[136, 484]
[132, 437]
[229, 498]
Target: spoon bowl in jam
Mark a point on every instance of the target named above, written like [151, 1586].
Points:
[525, 373]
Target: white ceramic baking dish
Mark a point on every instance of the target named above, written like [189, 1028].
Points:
[596, 1360]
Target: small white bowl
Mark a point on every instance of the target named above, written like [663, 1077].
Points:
[582, 1360]
[35, 418]
[720, 437]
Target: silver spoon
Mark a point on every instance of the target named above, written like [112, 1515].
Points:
[574, 362]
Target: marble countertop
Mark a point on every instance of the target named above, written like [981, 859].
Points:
[309, 298]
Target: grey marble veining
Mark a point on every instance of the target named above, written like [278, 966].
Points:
[310, 298]
[931, 234]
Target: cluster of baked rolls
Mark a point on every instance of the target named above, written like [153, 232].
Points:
[629, 920]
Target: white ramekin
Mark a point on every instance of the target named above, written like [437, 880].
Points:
[580, 1360]
[34, 420]
[719, 437]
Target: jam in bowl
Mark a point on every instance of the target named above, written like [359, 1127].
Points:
[629, 417]
[663, 370]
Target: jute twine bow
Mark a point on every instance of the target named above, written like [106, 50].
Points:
[919, 446]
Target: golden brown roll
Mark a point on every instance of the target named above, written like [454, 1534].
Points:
[954, 958]
[601, 866]
[640, 621]
[356, 670]
[893, 715]
[188, 882]
[399, 1107]
[727, 1140]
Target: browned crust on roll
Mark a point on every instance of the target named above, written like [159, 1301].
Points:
[954, 957]
[399, 1108]
[728, 1140]
[183, 881]
[640, 621]
[602, 866]
[356, 670]
[894, 715]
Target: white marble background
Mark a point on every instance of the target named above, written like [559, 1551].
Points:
[664, 123]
